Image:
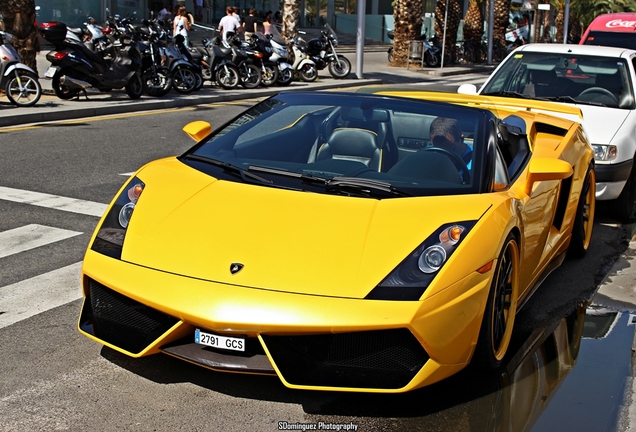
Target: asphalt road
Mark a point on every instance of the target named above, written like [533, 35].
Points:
[54, 379]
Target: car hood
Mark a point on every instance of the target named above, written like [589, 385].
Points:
[601, 123]
[286, 240]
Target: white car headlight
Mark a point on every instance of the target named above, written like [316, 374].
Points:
[604, 152]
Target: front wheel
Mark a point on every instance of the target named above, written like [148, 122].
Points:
[23, 89]
[227, 76]
[250, 75]
[431, 59]
[62, 91]
[135, 88]
[584, 218]
[340, 67]
[157, 82]
[285, 77]
[183, 80]
[308, 73]
[390, 54]
[269, 75]
[501, 308]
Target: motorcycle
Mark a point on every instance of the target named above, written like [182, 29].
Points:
[156, 79]
[19, 81]
[302, 64]
[322, 51]
[390, 34]
[249, 73]
[216, 64]
[74, 67]
[262, 52]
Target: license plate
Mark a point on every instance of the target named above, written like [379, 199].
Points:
[50, 72]
[218, 341]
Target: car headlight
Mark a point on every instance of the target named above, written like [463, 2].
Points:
[411, 277]
[110, 236]
[604, 152]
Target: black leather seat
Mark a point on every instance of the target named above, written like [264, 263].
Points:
[427, 165]
[352, 144]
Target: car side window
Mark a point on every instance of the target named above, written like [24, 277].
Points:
[501, 172]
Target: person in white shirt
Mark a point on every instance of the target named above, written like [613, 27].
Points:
[228, 23]
[181, 24]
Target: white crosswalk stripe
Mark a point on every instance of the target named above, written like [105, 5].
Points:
[53, 201]
[38, 294]
[29, 237]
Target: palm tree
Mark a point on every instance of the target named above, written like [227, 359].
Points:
[452, 19]
[473, 21]
[19, 19]
[407, 16]
[501, 23]
[291, 18]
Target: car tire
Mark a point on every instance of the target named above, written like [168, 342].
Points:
[584, 218]
[622, 208]
[501, 309]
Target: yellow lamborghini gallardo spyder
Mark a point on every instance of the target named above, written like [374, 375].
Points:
[343, 241]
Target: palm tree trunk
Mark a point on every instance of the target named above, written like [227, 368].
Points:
[291, 18]
[407, 15]
[19, 19]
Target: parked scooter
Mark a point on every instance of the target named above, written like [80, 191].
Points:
[303, 65]
[74, 67]
[390, 34]
[322, 51]
[262, 52]
[19, 81]
[216, 64]
[280, 56]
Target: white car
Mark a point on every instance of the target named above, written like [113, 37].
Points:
[599, 81]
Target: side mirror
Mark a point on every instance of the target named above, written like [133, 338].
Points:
[545, 169]
[197, 130]
[469, 89]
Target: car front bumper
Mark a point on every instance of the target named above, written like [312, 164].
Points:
[610, 179]
[310, 342]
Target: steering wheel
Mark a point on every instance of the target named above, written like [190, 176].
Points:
[457, 161]
[598, 91]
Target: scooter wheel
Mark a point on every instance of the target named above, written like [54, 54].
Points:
[269, 75]
[184, 80]
[250, 75]
[431, 60]
[157, 83]
[227, 76]
[135, 88]
[308, 73]
[23, 90]
[285, 77]
[63, 91]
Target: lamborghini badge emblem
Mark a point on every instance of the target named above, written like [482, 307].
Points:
[235, 267]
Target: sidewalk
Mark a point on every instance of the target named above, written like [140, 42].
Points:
[51, 108]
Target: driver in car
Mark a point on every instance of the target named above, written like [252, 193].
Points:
[446, 134]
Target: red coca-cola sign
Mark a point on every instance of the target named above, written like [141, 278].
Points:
[619, 23]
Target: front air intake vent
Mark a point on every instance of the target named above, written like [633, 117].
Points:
[383, 359]
[121, 321]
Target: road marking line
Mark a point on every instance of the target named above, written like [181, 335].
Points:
[473, 81]
[30, 237]
[53, 201]
[38, 294]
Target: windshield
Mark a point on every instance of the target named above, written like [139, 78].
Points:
[356, 144]
[592, 80]
[613, 39]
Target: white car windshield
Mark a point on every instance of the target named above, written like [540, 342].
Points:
[569, 78]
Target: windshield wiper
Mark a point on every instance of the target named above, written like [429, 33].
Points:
[229, 168]
[363, 185]
[359, 185]
[508, 94]
[562, 99]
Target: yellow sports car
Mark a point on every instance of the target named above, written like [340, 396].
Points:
[343, 241]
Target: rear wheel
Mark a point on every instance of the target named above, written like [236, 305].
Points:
[135, 88]
[23, 89]
[584, 218]
[340, 68]
[63, 91]
[308, 73]
[501, 308]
